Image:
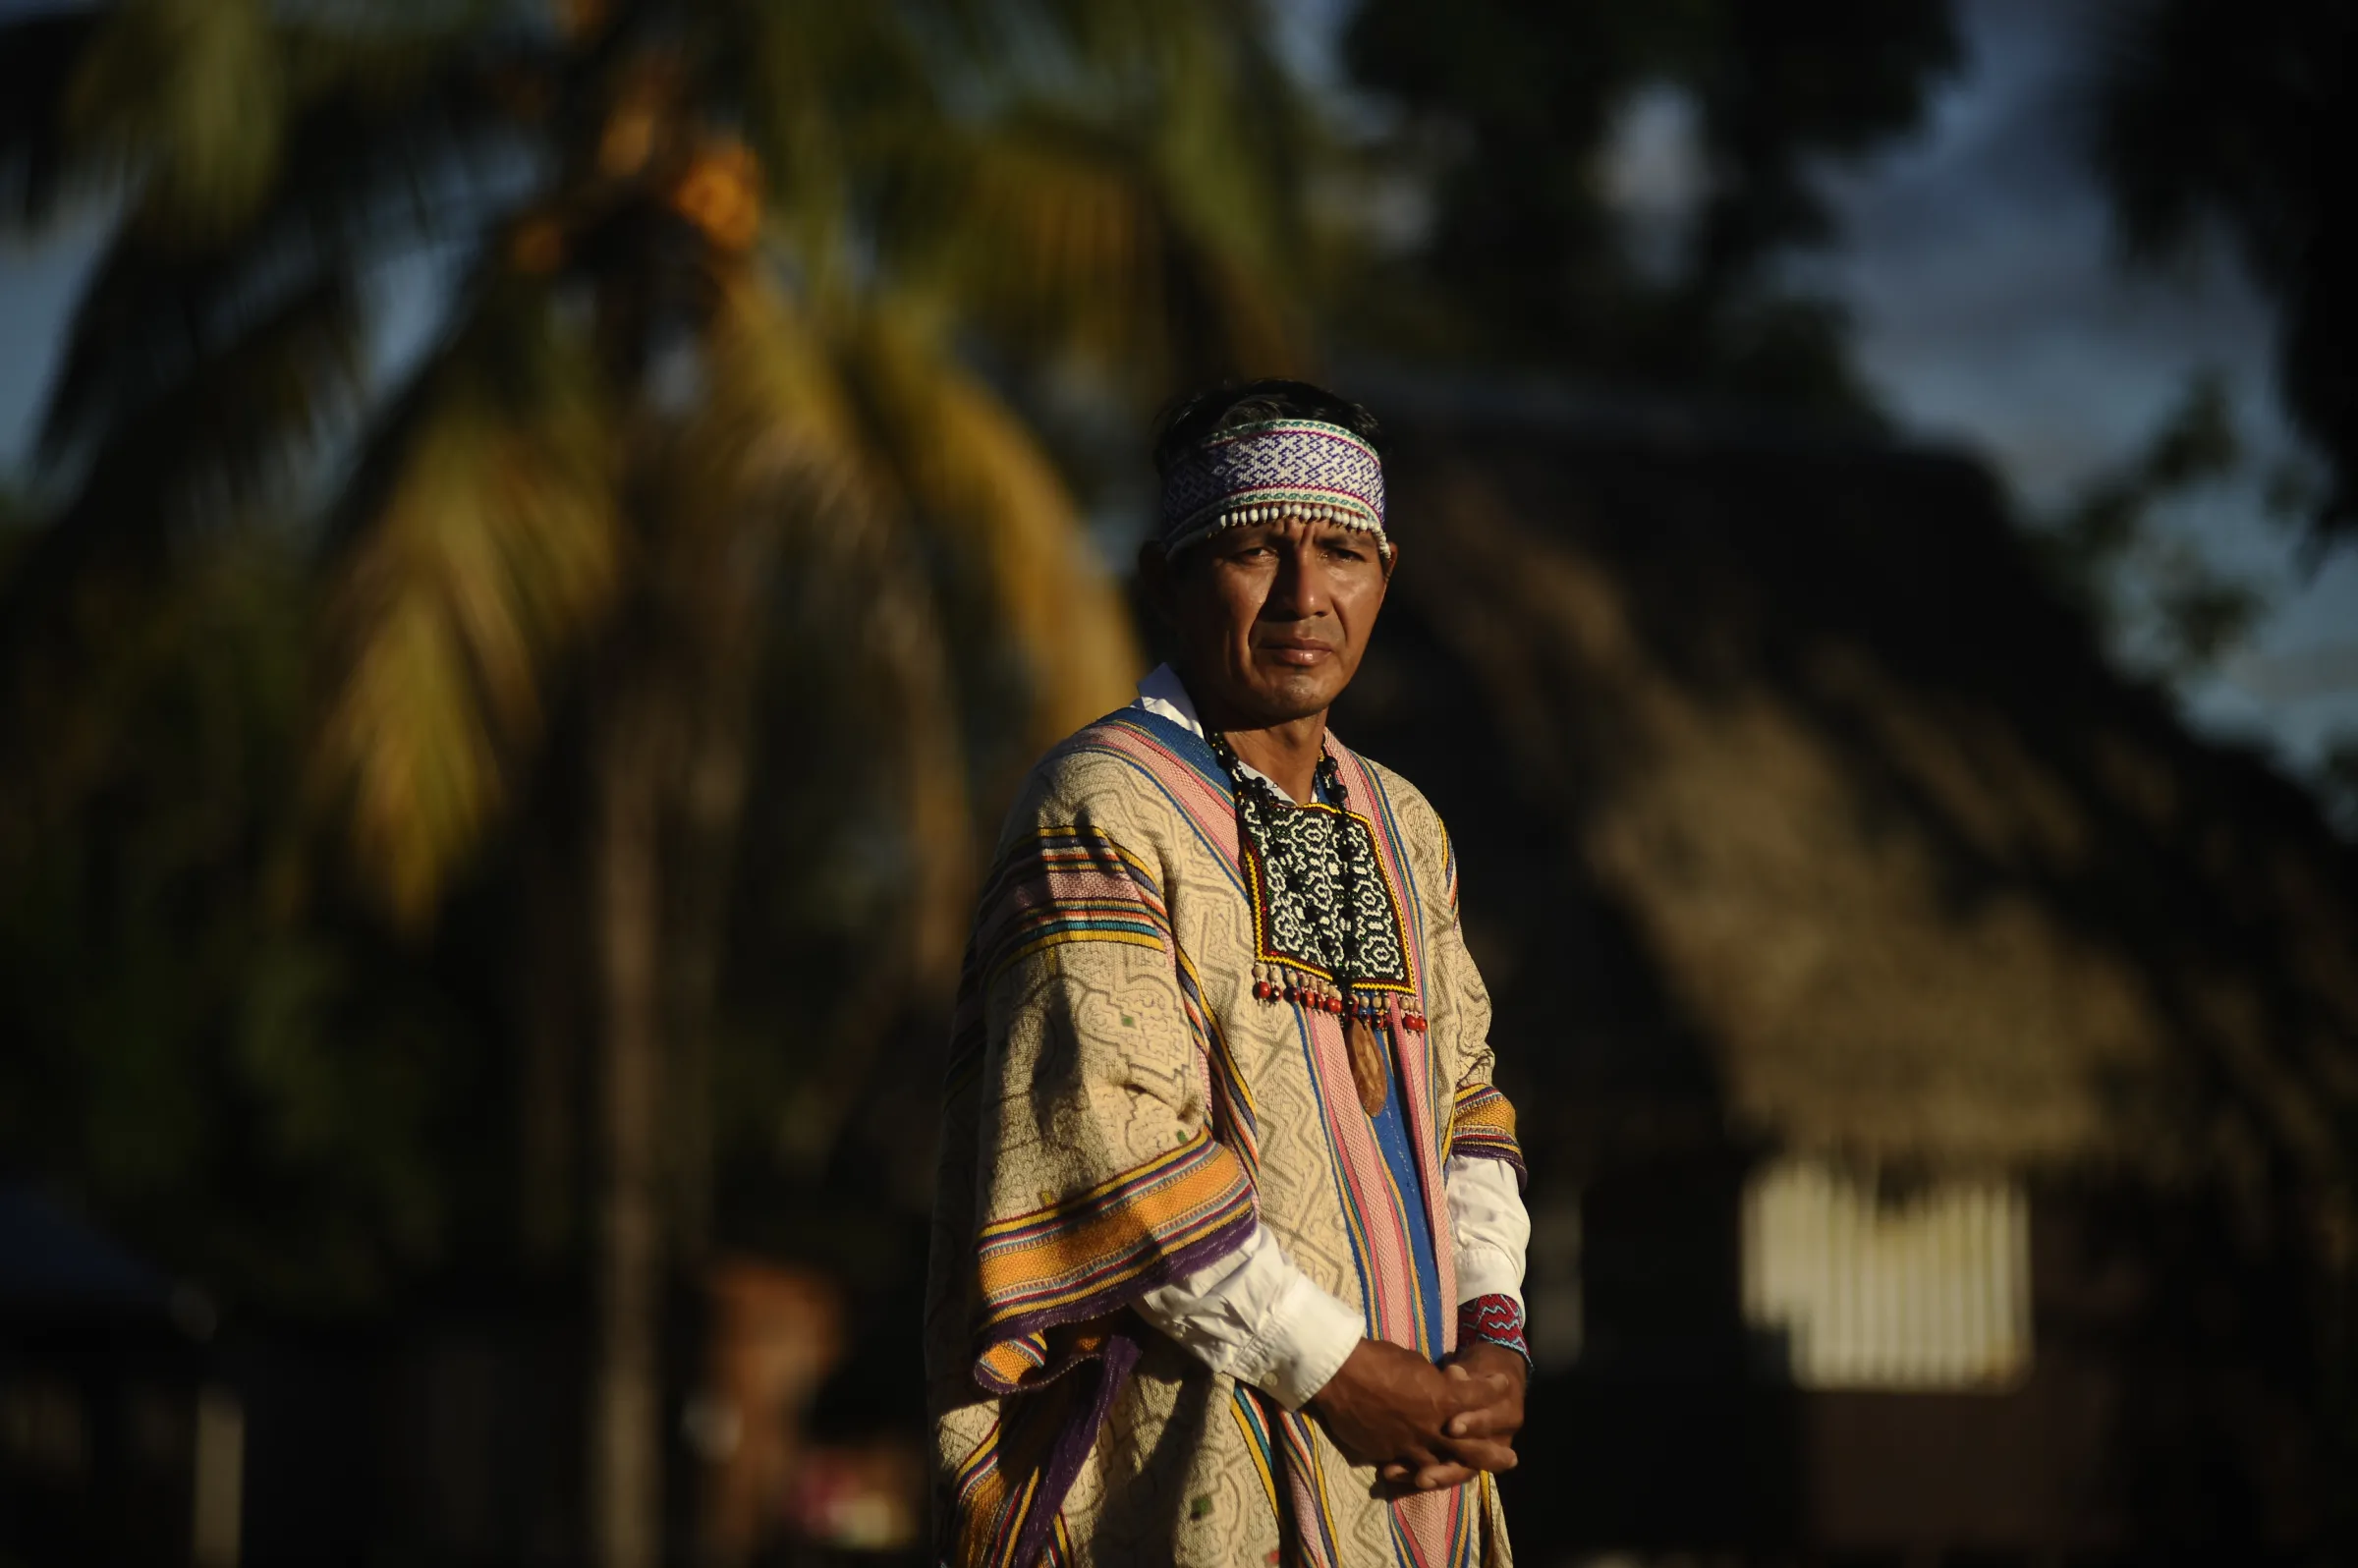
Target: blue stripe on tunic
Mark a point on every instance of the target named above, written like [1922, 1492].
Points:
[1391, 1136]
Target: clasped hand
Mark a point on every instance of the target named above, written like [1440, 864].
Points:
[1424, 1427]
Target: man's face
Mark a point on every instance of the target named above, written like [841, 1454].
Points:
[1271, 618]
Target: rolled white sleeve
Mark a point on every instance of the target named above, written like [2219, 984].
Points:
[1258, 1318]
[1490, 1227]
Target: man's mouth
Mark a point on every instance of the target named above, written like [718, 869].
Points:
[1302, 652]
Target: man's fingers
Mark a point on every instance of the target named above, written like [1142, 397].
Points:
[1446, 1464]
[1463, 1392]
[1422, 1456]
[1471, 1394]
[1432, 1477]
[1478, 1454]
[1495, 1458]
[1432, 1473]
[1499, 1420]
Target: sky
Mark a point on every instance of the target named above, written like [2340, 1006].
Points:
[40, 277]
[1990, 309]
[1993, 313]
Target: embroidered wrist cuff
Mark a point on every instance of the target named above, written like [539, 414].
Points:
[1497, 1320]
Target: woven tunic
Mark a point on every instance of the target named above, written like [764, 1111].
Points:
[1121, 1109]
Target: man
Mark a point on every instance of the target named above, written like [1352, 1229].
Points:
[1229, 1236]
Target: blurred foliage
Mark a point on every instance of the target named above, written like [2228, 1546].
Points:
[2226, 115]
[1510, 107]
[815, 201]
[273, 1089]
[2159, 600]
[733, 303]
[704, 518]
[2338, 782]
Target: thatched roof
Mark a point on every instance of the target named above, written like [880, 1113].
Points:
[1791, 804]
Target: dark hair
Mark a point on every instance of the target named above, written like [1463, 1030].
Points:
[1189, 422]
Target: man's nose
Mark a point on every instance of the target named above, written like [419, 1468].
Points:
[1300, 592]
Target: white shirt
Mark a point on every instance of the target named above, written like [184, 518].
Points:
[1256, 1316]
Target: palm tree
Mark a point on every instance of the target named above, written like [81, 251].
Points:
[715, 279]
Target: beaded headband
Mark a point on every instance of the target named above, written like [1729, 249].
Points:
[1279, 469]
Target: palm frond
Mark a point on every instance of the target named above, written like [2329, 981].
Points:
[492, 554]
[780, 502]
[149, 324]
[974, 470]
[199, 448]
[775, 428]
[394, 157]
[194, 382]
[36, 60]
[908, 670]
[1133, 247]
[1060, 234]
[190, 95]
[838, 101]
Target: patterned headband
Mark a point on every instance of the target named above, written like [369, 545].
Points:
[1279, 469]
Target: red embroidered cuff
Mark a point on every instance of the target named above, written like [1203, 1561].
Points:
[1496, 1318]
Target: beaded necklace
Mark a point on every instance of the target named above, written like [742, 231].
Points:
[1321, 875]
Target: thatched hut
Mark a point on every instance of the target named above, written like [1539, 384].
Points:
[1939, 1067]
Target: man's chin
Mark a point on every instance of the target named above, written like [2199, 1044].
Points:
[1285, 700]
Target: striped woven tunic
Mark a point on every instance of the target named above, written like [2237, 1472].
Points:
[1121, 1109]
